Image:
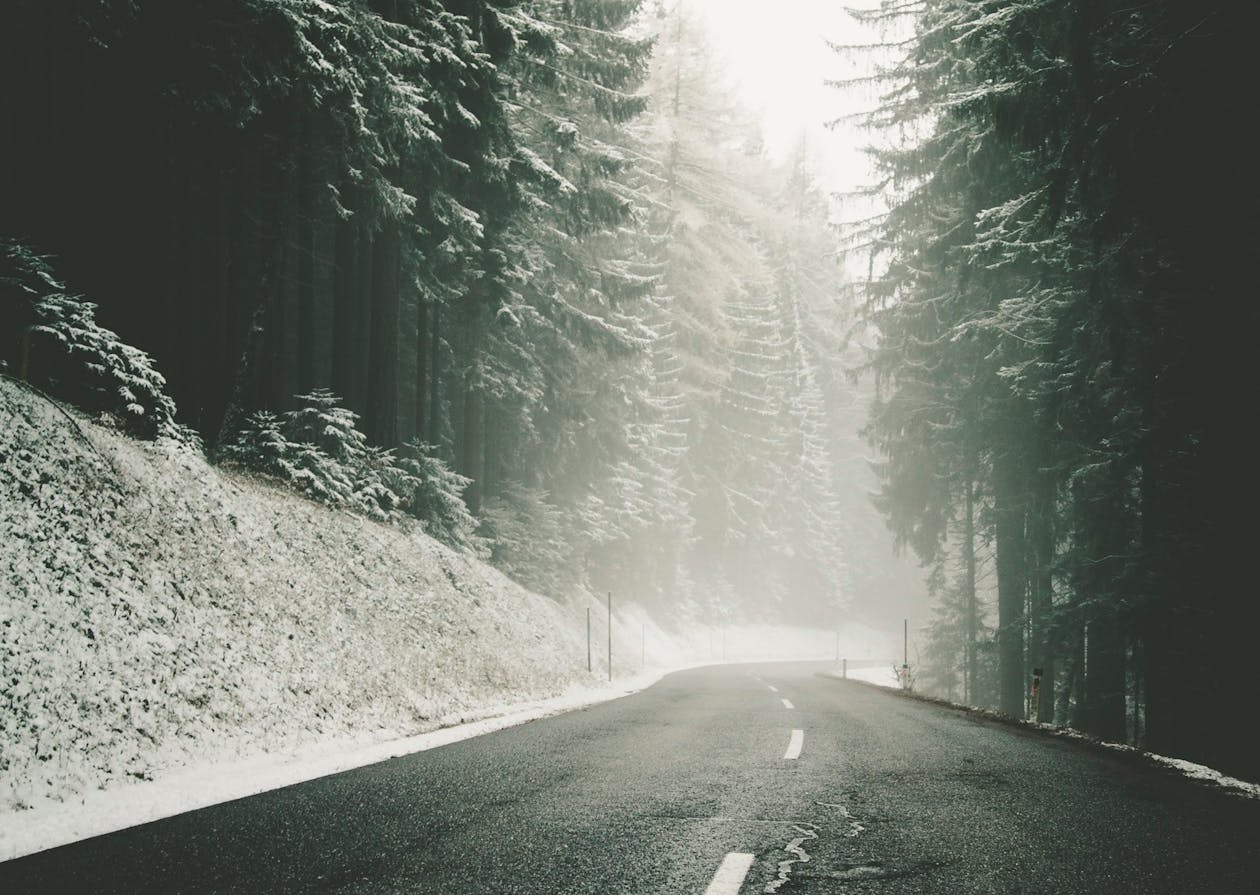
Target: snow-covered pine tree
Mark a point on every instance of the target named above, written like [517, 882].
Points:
[562, 357]
[434, 494]
[53, 341]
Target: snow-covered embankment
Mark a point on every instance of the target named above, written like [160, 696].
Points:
[159, 614]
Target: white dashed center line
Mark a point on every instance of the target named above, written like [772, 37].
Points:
[730, 875]
[794, 745]
[773, 688]
[787, 704]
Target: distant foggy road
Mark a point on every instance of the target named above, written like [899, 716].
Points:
[729, 779]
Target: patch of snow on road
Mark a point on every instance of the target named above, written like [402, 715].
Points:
[795, 848]
[855, 825]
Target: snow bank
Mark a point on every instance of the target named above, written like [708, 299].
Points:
[885, 675]
[158, 614]
[54, 823]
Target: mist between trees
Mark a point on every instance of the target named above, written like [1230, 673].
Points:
[520, 267]
[526, 255]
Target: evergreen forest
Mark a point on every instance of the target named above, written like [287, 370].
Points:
[519, 267]
[524, 270]
[1063, 316]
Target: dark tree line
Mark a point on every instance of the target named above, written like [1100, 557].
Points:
[515, 238]
[1066, 378]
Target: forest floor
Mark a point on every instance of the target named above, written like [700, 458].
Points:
[173, 634]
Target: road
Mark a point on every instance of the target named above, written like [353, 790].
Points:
[742, 778]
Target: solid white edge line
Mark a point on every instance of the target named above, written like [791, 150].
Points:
[730, 874]
[794, 745]
[787, 703]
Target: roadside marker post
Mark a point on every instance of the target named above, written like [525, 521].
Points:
[610, 635]
[904, 673]
[588, 639]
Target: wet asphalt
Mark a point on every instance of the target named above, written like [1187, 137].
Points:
[648, 793]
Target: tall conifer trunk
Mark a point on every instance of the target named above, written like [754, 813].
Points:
[434, 435]
[345, 320]
[382, 398]
[972, 615]
[473, 455]
[305, 250]
[360, 354]
[1008, 520]
[1104, 712]
[422, 367]
[1107, 576]
[1041, 535]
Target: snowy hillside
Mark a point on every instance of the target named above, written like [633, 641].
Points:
[156, 611]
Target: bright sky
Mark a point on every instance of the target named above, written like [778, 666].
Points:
[778, 58]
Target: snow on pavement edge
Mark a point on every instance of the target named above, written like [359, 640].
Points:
[187, 789]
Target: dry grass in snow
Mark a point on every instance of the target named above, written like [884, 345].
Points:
[158, 613]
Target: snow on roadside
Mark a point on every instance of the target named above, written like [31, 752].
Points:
[55, 823]
[159, 615]
[885, 675]
[1202, 772]
[1189, 769]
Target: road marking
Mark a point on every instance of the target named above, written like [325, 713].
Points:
[787, 704]
[794, 745]
[730, 875]
[773, 688]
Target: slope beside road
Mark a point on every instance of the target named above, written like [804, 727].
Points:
[759, 778]
[159, 614]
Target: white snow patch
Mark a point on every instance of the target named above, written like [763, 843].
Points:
[795, 848]
[1188, 769]
[881, 674]
[173, 635]
[1203, 772]
[885, 675]
[161, 617]
[52, 823]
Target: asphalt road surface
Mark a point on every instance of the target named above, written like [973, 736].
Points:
[732, 779]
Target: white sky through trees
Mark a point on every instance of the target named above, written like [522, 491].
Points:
[778, 59]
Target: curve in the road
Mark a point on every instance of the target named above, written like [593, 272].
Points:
[652, 794]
